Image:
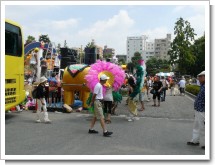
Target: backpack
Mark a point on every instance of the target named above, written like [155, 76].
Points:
[34, 93]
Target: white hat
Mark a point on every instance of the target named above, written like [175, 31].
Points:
[202, 73]
[104, 77]
[43, 79]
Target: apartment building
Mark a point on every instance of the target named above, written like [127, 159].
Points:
[162, 46]
[135, 44]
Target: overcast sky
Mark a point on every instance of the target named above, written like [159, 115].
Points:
[107, 24]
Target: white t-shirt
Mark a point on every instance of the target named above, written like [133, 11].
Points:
[182, 83]
[108, 95]
[98, 91]
[33, 58]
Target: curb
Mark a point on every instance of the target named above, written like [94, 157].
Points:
[190, 95]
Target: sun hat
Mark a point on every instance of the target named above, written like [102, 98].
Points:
[202, 73]
[43, 79]
[104, 77]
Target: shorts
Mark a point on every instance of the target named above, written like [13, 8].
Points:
[98, 110]
[141, 96]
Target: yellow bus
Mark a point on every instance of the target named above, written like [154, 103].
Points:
[14, 65]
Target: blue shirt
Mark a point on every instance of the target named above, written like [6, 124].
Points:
[199, 104]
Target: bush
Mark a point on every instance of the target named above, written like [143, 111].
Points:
[194, 89]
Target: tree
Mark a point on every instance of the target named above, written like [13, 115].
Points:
[29, 40]
[136, 58]
[180, 51]
[107, 55]
[155, 65]
[44, 38]
[198, 49]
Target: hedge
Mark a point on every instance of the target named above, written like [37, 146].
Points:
[194, 89]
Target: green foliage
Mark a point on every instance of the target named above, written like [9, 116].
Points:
[121, 61]
[155, 65]
[180, 52]
[136, 58]
[198, 49]
[108, 55]
[29, 40]
[90, 45]
[193, 89]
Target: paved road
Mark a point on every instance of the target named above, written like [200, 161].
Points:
[161, 130]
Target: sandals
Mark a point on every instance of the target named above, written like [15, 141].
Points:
[107, 121]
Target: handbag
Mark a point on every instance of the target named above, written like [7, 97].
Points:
[152, 91]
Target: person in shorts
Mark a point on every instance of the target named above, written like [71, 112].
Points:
[96, 101]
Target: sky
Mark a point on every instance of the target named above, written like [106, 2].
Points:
[107, 24]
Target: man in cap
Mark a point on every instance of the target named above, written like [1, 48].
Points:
[97, 99]
[199, 122]
[41, 101]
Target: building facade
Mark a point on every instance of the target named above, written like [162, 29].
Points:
[162, 46]
[135, 44]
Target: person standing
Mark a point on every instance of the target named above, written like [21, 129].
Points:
[43, 65]
[33, 63]
[52, 89]
[96, 101]
[165, 84]
[157, 86]
[41, 102]
[198, 136]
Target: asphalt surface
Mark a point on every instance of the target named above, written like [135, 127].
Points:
[162, 130]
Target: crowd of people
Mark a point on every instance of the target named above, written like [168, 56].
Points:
[138, 89]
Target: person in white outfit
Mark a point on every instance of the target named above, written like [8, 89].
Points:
[182, 84]
[41, 102]
[198, 134]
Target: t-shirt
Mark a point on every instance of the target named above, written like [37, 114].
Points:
[157, 85]
[182, 83]
[108, 95]
[33, 58]
[98, 91]
[52, 83]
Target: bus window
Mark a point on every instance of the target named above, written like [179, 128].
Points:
[12, 37]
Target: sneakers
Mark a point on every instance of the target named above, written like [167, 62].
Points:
[92, 131]
[130, 120]
[107, 133]
[48, 121]
[38, 121]
[192, 143]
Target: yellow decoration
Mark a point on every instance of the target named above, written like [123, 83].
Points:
[109, 74]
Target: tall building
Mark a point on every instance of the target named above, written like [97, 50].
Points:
[149, 52]
[162, 46]
[136, 44]
[108, 51]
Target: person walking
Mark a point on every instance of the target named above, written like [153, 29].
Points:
[41, 102]
[96, 101]
[165, 84]
[108, 101]
[157, 87]
[198, 136]
[172, 87]
[182, 84]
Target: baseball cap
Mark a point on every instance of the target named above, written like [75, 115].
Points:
[104, 77]
[202, 73]
[43, 79]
